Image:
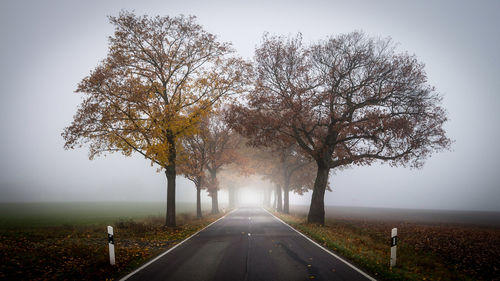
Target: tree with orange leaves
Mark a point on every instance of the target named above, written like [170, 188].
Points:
[161, 75]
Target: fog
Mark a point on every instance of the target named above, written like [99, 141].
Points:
[49, 46]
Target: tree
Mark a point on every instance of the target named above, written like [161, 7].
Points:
[265, 161]
[195, 161]
[231, 178]
[289, 170]
[348, 100]
[208, 148]
[242, 170]
[221, 145]
[160, 77]
[297, 170]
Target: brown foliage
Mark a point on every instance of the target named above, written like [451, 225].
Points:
[348, 100]
[473, 250]
[160, 77]
[81, 252]
[221, 147]
[432, 251]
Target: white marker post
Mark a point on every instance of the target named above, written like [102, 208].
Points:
[111, 243]
[394, 243]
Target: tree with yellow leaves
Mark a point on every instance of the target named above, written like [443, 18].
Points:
[161, 75]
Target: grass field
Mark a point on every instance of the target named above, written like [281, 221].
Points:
[432, 248]
[83, 213]
[68, 241]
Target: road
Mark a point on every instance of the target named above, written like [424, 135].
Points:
[247, 244]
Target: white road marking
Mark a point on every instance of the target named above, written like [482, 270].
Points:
[169, 250]
[326, 250]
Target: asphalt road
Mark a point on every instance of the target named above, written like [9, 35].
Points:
[248, 244]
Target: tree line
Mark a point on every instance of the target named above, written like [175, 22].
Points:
[173, 93]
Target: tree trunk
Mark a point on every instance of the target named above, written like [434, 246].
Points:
[275, 202]
[198, 199]
[170, 173]
[267, 197]
[232, 197]
[286, 204]
[214, 193]
[215, 202]
[317, 208]
[279, 199]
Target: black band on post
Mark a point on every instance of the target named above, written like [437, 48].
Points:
[394, 241]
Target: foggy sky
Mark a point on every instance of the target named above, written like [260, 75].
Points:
[47, 47]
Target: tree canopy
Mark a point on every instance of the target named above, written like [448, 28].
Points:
[161, 75]
[347, 100]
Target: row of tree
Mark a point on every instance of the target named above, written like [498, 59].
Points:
[173, 93]
[216, 156]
